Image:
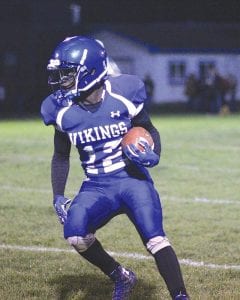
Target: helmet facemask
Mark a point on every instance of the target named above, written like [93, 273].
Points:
[63, 78]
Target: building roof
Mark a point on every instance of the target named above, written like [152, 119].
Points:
[181, 37]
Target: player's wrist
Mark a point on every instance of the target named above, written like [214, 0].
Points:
[57, 197]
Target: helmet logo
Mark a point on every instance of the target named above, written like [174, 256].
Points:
[53, 63]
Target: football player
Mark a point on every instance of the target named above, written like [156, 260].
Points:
[93, 111]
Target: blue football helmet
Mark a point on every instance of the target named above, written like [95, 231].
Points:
[77, 64]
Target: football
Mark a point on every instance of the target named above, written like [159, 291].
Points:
[135, 135]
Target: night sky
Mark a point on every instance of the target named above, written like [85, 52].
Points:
[136, 11]
[129, 11]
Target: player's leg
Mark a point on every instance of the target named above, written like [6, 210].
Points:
[144, 209]
[89, 211]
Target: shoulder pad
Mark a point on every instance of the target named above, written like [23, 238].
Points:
[49, 110]
[51, 106]
[129, 86]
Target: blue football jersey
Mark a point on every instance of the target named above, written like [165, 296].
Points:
[97, 135]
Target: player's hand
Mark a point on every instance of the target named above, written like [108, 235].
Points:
[147, 157]
[60, 204]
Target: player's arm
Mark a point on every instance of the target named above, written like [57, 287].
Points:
[149, 157]
[60, 162]
[60, 166]
[143, 120]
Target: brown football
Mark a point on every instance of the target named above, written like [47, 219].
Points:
[135, 135]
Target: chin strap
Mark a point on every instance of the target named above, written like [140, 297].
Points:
[67, 96]
[72, 94]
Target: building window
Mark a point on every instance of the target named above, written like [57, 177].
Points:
[204, 67]
[177, 72]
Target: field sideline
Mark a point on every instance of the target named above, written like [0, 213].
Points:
[198, 181]
[135, 256]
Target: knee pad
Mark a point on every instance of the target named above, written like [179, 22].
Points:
[157, 243]
[80, 243]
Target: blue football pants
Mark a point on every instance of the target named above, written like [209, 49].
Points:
[100, 199]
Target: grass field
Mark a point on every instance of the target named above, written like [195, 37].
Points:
[199, 182]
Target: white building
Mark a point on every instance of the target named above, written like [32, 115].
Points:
[170, 52]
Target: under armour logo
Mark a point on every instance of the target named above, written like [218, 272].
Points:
[115, 114]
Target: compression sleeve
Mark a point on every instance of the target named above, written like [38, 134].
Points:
[143, 120]
[60, 162]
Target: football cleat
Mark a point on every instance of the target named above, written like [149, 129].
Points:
[124, 282]
[181, 297]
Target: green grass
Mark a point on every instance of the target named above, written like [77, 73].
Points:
[200, 160]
